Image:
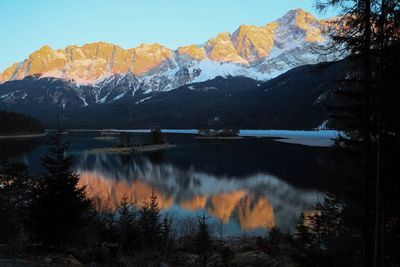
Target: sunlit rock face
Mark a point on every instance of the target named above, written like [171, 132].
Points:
[254, 43]
[148, 57]
[258, 201]
[258, 52]
[89, 63]
[192, 51]
[221, 49]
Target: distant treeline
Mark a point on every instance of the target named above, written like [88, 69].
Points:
[15, 123]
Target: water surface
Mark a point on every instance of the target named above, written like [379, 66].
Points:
[246, 186]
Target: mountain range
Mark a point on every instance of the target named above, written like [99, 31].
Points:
[99, 76]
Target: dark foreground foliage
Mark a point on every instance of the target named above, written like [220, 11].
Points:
[59, 207]
[362, 216]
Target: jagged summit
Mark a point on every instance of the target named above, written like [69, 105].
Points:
[258, 52]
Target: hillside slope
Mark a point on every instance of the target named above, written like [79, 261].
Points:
[12, 123]
[294, 100]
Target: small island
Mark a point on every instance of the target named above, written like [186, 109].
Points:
[16, 125]
[219, 134]
[132, 143]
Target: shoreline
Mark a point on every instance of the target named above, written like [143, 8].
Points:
[106, 138]
[219, 137]
[22, 136]
[124, 150]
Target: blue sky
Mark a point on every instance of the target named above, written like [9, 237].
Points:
[26, 25]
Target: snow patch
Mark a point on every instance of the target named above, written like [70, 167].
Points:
[103, 100]
[142, 100]
[212, 69]
[84, 101]
[119, 96]
[10, 95]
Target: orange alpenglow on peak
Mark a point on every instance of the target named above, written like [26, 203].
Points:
[222, 49]
[254, 43]
[149, 56]
[10, 73]
[88, 62]
[193, 51]
[245, 48]
[306, 21]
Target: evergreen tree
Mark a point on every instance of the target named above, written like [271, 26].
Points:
[127, 225]
[316, 231]
[156, 137]
[301, 233]
[303, 243]
[367, 108]
[335, 233]
[166, 240]
[107, 225]
[60, 207]
[275, 239]
[165, 230]
[203, 242]
[15, 199]
[323, 238]
[149, 223]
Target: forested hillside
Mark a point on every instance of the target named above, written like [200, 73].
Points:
[15, 123]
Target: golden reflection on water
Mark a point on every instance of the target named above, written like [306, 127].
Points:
[255, 215]
[223, 205]
[111, 192]
[195, 203]
[251, 211]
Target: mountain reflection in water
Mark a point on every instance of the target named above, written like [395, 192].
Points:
[245, 186]
[247, 204]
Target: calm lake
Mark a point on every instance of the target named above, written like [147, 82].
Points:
[245, 186]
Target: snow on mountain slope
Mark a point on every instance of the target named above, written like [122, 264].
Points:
[112, 72]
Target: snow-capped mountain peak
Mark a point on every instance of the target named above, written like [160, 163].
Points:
[259, 52]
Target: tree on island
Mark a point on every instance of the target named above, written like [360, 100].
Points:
[60, 207]
[156, 136]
